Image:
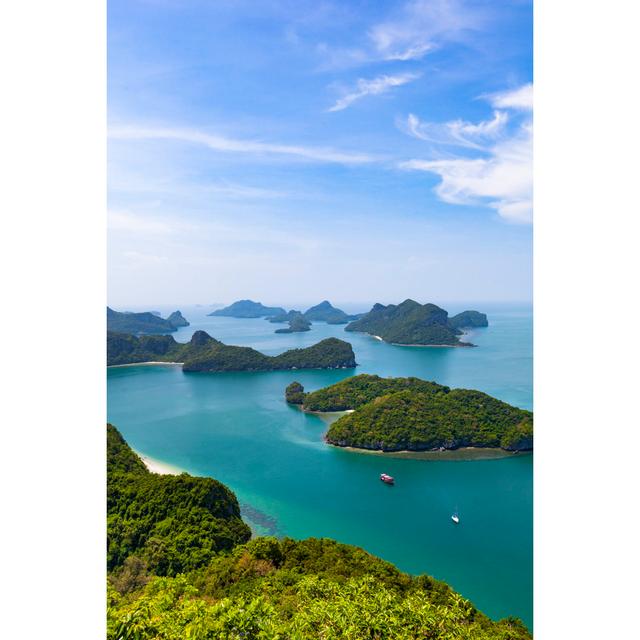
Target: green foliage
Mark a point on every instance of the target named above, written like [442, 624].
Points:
[267, 588]
[297, 323]
[247, 309]
[409, 323]
[326, 312]
[172, 523]
[313, 607]
[356, 391]
[468, 319]
[146, 322]
[204, 353]
[294, 393]
[393, 414]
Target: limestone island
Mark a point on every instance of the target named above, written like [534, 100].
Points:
[206, 354]
[297, 323]
[410, 414]
[247, 309]
[413, 324]
[326, 312]
[146, 322]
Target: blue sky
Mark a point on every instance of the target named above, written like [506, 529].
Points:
[295, 151]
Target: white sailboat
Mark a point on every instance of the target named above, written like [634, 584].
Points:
[455, 517]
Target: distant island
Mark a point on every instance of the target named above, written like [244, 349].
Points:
[206, 354]
[145, 322]
[410, 414]
[326, 312]
[284, 317]
[297, 323]
[247, 309]
[413, 324]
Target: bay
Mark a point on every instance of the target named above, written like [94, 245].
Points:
[236, 427]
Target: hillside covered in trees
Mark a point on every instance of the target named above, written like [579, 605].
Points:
[206, 354]
[146, 322]
[247, 309]
[409, 414]
[180, 566]
[411, 323]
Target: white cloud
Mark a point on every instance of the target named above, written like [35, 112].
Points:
[521, 98]
[146, 225]
[219, 143]
[503, 181]
[374, 86]
[423, 24]
[458, 132]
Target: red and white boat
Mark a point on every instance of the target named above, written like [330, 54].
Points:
[386, 478]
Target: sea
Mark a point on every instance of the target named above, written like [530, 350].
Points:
[237, 428]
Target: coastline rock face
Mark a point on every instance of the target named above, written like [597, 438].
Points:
[294, 393]
[469, 319]
[178, 320]
[248, 309]
[409, 323]
[137, 323]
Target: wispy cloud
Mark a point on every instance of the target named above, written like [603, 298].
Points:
[372, 87]
[503, 177]
[422, 25]
[457, 132]
[231, 145]
[520, 98]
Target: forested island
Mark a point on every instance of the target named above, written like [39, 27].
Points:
[410, 414]
[247, 309]
[145, 322]
[297, 322]
[206, 354]
[326, 312]
[180, 565]
[411, 323]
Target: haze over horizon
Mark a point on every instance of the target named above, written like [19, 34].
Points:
[285, 151]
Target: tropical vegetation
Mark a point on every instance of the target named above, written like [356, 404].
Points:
[411, 323]
[266, 588]
[247, 309]
[204, 353]
[394, 414]
[145, 322]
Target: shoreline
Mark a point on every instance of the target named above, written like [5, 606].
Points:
[463, 453]
[153, 363]
[400, 344]
[159, 467]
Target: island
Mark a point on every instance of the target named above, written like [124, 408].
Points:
[145, 322]
[410, 414]
[178, 320]
[468, 320]
[206, 354]
[297, 323]
[413, 324]
[284, 317]
[247, 309]
[180, 563]
[326, 312]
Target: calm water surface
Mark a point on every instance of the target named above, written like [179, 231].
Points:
[237, 428]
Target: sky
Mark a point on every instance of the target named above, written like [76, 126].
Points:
[295, 151]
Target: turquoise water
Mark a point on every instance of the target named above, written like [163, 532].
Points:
[237, 428]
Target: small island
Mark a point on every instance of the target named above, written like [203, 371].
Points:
[247, 309]
[326, 312]
[410, 414]
[413, 324]
[145, 322]
[206, 354]
[297, 323]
